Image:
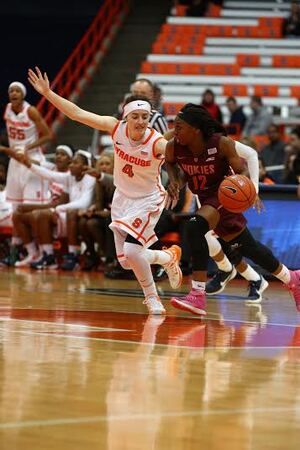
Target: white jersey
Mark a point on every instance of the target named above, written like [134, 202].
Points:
[136, 168]
[21, 129]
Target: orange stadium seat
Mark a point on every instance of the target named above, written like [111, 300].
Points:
[286, 61]
[270, 22]
[261, 141]
[295, 91]
[234, 90]
[266, 91]
[171, 109]
[248, 60]
[181, 10]
[213, 10]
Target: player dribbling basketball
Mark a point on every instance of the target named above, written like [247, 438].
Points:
[205, 155]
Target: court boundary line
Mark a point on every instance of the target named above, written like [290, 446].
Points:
[202, 319]
[120, 341]
[146, 416]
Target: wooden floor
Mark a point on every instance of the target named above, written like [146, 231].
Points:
[84, 367]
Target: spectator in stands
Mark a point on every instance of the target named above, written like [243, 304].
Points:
[237, 116]
[274, 153]
[197, 8]
[208, 102]
[264, 177]
[291, 25]
[94, 221]
[292, 169]
[259, 121]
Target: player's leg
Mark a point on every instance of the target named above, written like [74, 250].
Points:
[88, 227]
[263, 256]
[134, 254]
[46, 221]
[198, 226]
[71, 259]
[14, 195]
[24, 226]
[257, 284]
[169, 259]
[226, 270]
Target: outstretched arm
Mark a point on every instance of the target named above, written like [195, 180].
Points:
[41, 84]
[251, 158]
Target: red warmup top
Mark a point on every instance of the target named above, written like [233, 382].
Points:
[204, 172]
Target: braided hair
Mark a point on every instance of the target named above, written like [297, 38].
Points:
[197, 116]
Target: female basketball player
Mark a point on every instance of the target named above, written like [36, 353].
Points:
[139, 196]
[206, 156]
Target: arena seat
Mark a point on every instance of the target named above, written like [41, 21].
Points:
[266, 91]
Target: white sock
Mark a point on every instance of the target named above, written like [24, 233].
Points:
[136, 256]
[31, 248]
[284, 275]
[160, 257]
[198, 285]
[224, 265]
[250, 274]
[214, 245]
[73, 249]
[48, 248]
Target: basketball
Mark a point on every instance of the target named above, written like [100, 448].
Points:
[237, 193]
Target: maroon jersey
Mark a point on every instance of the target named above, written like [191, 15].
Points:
[204, 172]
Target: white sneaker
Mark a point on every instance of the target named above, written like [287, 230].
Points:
[172, 268]
[154, 305]
[27, 261]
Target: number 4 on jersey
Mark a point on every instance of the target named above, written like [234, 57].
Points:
[128, 170]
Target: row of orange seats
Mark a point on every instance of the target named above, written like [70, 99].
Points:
[177, 48]
[190, 69]
[169, 28]
[246, 60]
[223, 31]
[241, 91]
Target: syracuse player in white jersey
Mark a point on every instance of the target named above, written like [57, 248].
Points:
[27, 131]
[139, 196]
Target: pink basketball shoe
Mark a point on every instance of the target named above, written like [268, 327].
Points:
[194, 302]
[294, 286]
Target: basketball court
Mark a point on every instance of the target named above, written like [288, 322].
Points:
[84, 367]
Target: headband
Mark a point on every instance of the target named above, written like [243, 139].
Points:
[189, 117]
[136, 105]
[19, 85]
[86, 154]
[66, 149]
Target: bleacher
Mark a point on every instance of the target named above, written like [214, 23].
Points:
[237, 50]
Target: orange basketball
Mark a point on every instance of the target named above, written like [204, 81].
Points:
[237, 193]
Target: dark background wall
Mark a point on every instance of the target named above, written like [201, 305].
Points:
[40, 33]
